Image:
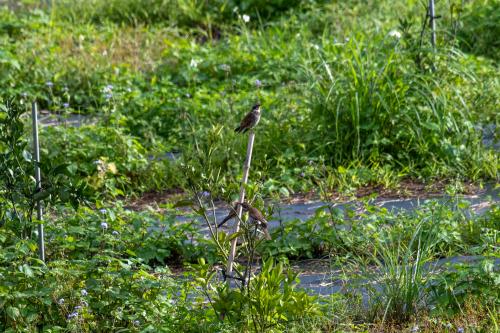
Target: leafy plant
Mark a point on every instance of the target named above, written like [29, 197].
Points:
[269, 302]
[19, 195]
[451, 289]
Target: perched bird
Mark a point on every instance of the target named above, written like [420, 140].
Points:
[251, 120]
[255, 215]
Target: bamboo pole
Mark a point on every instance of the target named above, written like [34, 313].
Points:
[39, 213]
[246, 171]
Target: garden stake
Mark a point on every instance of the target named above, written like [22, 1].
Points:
[38, 187]
[246, 170]
[432, 18]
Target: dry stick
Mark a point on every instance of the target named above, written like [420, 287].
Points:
[246, 170]
[211, 229]
[36, 149]
[248, 270]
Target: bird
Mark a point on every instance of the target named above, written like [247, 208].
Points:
[250, 121]
[255, 215]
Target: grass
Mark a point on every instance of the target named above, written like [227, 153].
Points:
[371, 103]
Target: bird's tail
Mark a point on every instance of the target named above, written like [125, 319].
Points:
[227, 218]
[266, 234]
[240, 129]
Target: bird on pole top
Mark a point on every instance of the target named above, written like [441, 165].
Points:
[250, 121]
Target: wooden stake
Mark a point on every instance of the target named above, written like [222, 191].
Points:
[36, 149]
[246, 170]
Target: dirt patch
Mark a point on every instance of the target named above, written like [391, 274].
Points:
[407, 189]
[155, 199]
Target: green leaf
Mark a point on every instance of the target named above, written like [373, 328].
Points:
[284, 192]
[13, 312]
[27, 270]
[41, 195]
[27, 156]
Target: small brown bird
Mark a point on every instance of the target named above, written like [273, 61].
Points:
[255, 215]
[250, 121]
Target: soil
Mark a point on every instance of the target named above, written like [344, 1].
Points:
[407, 189]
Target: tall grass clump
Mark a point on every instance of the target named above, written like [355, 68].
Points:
[371, 101]
[400, 276]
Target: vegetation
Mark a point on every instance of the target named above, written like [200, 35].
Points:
[146, 95]
[342, 96]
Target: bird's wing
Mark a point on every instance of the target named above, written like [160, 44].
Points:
[258, 215]
[229, 216]
[247, 120]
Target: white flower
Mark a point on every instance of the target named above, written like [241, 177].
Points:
[108, 88]
[225, 68]
[73, 315]
[61, 301]
[84, 292]
[246, 18]
[104, 225]
[395, 34]
[316, 46]
[194, 63]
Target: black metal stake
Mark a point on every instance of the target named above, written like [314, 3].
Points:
[432, 18]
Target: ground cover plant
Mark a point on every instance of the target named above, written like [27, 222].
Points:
[367, 95]
[143, 97]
